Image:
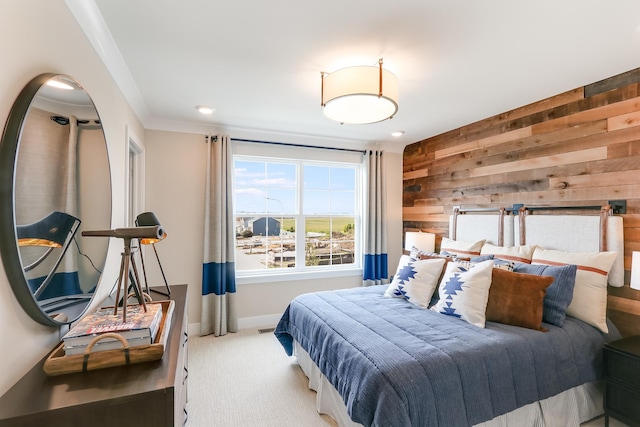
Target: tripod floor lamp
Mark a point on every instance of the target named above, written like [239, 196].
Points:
[128, 261]
[149, 219]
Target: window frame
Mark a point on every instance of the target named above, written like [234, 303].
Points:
[302, 271]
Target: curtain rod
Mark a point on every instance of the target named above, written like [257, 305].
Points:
[62, 120]
[288, 144]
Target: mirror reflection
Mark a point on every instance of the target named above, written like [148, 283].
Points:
[62, 186]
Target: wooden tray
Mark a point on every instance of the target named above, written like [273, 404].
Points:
[58, 364]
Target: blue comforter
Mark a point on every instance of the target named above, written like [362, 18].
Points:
[396, 364]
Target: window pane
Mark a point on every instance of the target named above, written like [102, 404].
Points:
[317, 241]
[250, 200]
[329, 240]
[262, 243]
[316, 202]
[249, 173]
[343, 240]
[281, 175]
[316, 177]
[343, 179]
[343, 202]
[281, 200]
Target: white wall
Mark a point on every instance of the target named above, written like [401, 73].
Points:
[42, 36]
[175, 171]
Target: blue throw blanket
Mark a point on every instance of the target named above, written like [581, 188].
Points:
[396, 364]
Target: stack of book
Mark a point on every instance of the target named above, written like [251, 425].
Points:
[140, 328]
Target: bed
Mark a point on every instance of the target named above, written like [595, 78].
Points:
[379, 360]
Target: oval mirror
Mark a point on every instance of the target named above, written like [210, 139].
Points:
[54, 182]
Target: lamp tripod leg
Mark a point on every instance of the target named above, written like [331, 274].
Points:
[122, 262]
[162, 271]
[126, 286]
[137, 284]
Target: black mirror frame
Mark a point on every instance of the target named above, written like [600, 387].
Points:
[8, 248]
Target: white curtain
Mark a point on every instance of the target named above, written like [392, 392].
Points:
[375, 239]
[71, 203]
[218, 271]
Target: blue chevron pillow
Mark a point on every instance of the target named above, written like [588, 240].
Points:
[415, 280]
[464, 291]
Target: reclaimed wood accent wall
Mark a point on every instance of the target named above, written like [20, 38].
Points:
[579, 148]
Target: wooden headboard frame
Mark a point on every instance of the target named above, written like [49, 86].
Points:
[605, 212]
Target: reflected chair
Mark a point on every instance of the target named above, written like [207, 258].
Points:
[55, 231]
[147, 219]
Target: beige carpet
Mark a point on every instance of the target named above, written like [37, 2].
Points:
[246, 380]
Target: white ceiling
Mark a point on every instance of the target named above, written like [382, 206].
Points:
[258, 63]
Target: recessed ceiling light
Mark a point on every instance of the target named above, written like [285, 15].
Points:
[204, 109]
[397, 133]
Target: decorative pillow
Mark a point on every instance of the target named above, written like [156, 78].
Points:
[415, 280]
[416, 253]
[559, 294]
[517, 299]
[497, 262]
[460, 248]
[464, 292]
[589, 302]
[521, 253]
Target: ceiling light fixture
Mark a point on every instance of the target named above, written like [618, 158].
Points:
[360, 95]
[397, 133]
[204, 109]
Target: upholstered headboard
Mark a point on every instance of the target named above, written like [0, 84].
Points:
[577, 233]
[494, 226]
[567, 232]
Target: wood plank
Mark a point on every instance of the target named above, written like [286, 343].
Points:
[485, 142]
[415, 174]
[536, 146]
[592, 154]
[594, 180]
[626, 305]
[624, 121]
[571, 135]
[527, 110]
[594, 114]
[421, 210]
[620, 80]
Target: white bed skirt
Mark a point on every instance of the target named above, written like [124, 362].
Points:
[569, 408]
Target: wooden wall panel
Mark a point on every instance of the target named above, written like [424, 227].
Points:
[581, 147]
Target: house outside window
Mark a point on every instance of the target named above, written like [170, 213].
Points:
[296, 215]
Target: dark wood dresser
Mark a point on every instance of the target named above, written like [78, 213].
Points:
[147, 394]
[622, 380]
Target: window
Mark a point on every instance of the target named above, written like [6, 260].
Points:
[295, 215]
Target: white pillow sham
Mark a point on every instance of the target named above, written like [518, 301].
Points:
[461, 248]
[522, 253]
[416, 280]
[589, 302]
[464, 292]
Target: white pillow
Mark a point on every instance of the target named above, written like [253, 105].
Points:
[464, 292]
[522, 253]
[415, 280]
[461, 248]
[589, 302]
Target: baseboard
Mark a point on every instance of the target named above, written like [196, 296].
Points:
[243, 323]
[258, 321]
